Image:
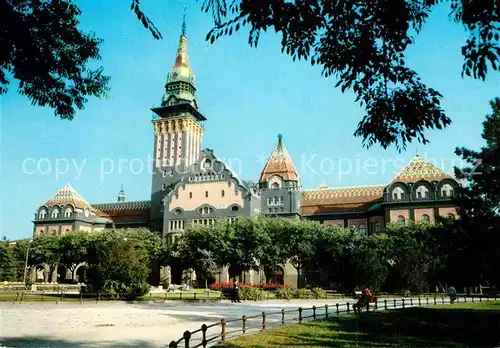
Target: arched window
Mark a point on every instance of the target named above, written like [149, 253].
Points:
[42, 214]
[275, 185]
[422, 192]
[362, 229]
[190, 194]
[447, 190]
[401, 220]
[206, 193]
[425, 218]
[68, 211]
[377, 227]
[222, 193]
[55, 212]
[451, 217]
[398, 193]
[270, 201]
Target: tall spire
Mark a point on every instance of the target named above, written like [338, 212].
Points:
[180, 88]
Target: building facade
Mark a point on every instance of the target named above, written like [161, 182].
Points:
[192, 186]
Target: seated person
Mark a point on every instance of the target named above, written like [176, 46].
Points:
[363, 300]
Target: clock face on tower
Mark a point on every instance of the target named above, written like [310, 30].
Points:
[174, 76]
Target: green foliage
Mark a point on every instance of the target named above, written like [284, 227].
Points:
[49, 56]
[251, 293]
[117, 266]
[284, 293]
[318, 293]
[304, 294]
[476, 236]
[366, 52]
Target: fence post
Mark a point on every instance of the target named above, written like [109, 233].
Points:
[42, 297]
[411, 302]
[187, 337]
[165, 299]
[314, 312]
[348, 310]
[180, 296]
[62, 296]
[465, 299]
[385, 304]
[442, 299]
[223, 330]
[300, 314]
[195, 295]
[394, 303]
[419, 303]
[427, 299]
[204, 331]
[472, 298]
[263, 321]
[403, 301]
[244, 324]
[480, 298]
[367, 306]
[337, 305]
[22, 296]
[150, 296]
[326, 311]
[435, 300]
[282, 317]
[209, 295]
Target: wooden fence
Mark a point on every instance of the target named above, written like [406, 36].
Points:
[220, 332]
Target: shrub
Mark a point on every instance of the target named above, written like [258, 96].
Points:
[251, 293]
[284, 293]
[304, 294]
[405, 293]
[318, 293]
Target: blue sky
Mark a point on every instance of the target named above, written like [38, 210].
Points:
[248, 95]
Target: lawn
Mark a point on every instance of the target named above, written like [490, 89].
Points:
[459, 325]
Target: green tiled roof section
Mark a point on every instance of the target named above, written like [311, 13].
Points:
[120, 206]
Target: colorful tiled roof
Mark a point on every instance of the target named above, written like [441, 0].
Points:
[122, 206]
[279, 163]
[68, 195]
[342, 195]
[420, 169]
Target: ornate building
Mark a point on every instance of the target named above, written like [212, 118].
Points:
[193, 186]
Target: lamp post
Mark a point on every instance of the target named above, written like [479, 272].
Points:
[26, 262]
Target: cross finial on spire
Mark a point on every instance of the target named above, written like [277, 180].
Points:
[184, 22]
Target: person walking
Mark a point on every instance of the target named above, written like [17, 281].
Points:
[236, 293]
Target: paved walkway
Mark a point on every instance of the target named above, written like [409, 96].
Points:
[118, 324]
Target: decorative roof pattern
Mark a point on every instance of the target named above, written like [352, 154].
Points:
[68, 195]
[279, 163]
[122, 206]
[420, 169]
[343, 195]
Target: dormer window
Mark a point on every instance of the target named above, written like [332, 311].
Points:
[447, 190]
[422, 192]
[42, 214]
[68, 212]
[55, 213]
[398, 193]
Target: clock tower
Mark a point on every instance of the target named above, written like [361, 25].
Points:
[177, 130]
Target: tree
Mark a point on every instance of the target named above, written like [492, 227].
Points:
[42, 47]
[116, 266]
[45, 250]
[6, 262]
[362, 44]
[298, 243]
[73, 250]
[478, 230]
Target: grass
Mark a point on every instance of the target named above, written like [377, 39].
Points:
[458, 325]
[197, 294]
